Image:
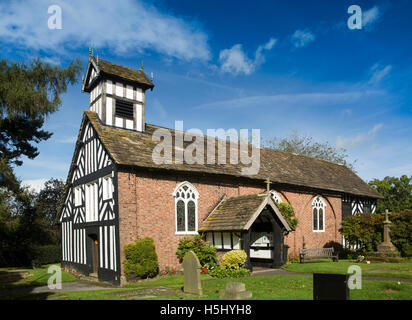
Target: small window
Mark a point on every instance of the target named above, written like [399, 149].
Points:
[318, 214]
[276, 197]
[107, 188]
[77, 196]
[124, 109]
[91, 202]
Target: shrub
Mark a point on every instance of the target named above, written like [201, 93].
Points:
[364, 229]
[288, 213]
[141, 259]
[401, 232]
[46, 254]
[234, 260]
[229, 273]
[203, 250]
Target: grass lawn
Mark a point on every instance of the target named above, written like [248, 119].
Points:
[263, 288]
[375, 269]
[38, 277]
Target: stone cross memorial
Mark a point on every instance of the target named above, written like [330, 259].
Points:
[386, 245]
[191, 269]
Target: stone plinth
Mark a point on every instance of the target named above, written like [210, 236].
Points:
[386, 246]
[235, 291]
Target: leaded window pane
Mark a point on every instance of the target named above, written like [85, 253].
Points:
[315, 219]
[191, 216]
[180, 209]
[320, 219]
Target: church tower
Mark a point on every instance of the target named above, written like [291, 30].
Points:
[117, 93]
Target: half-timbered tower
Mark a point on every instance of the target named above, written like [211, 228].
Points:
[116, 193]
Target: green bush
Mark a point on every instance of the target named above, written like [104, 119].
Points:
[288, 213]
[47, 254]
[229, 273]
[364, 229]
[203, 250]
[234, 260]
[401, 232]
[141, 259]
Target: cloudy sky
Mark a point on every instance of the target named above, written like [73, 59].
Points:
[279, 66]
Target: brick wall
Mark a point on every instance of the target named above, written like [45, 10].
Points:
[146, 208]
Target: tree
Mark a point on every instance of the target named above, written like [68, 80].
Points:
[397, 193]
[306, 146]
[28, 94]
[47, 201]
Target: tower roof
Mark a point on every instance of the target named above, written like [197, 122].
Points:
[114, 71]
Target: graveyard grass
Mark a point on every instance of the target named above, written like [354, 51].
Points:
[285, 287]
[387, 269]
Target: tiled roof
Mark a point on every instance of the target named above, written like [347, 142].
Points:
[124, 72]
[132, 148]
[237, 213]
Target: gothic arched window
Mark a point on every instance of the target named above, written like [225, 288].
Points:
[318, 214]
[276, 197]
[186, 197]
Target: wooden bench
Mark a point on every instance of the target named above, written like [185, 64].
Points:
[317, 253]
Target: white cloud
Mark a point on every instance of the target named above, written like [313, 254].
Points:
[235, 61]
[69, 140]
[312, 99]
[378, 72]
[369, 17]
[127, 26]
[350, 142]
[301, 38]
[35, 185]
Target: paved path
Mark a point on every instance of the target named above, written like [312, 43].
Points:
[66, 286]
[282, 272]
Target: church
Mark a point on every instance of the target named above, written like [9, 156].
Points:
[115, 193]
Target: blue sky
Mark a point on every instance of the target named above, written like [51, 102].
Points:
[279, 66]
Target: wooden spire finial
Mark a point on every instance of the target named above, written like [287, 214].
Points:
[142, 66]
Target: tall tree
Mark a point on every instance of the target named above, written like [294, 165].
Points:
[47, 201]
[397, 193]
[28, 94]
[306, 146]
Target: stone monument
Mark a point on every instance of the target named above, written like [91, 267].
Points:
[191, 270]
[235, 291]
[386, 246]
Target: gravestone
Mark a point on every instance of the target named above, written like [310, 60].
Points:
[328, 286]
[235, 291]
[191, 267]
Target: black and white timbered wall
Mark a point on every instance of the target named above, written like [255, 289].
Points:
[89, 215]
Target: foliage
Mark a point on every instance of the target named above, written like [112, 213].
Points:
[397, 193]
[364, 229]
[48, 199]
[47, 254]
[401, 232]
[141, 259]
[205, 252]
[288, 213]
[29, 93]
[229, 273]
[306, 146]
[234, 259]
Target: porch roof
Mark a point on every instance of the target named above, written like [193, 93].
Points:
[239, 213]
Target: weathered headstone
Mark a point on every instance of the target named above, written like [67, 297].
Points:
[191, 267]
[235, 291]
